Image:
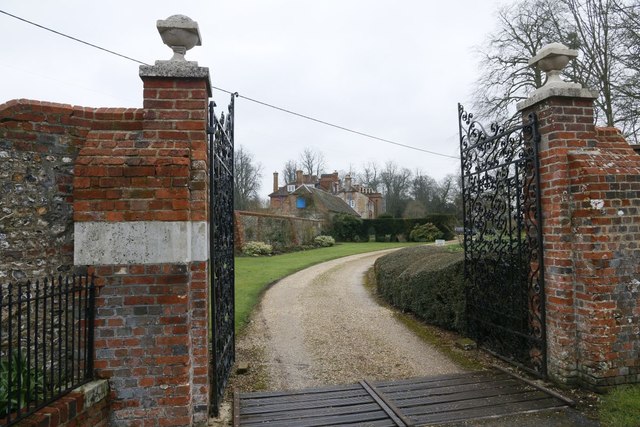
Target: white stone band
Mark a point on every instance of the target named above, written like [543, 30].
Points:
[140, 242]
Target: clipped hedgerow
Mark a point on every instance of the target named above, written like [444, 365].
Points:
[345, 227]
[324, 241]
[256, 249]
[427, 281]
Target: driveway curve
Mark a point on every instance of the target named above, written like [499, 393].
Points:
[321, 326]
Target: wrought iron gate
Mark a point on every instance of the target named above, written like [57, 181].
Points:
[221, 248]
[503, 240]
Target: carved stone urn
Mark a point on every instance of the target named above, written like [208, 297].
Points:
[552, 59]
[180, 33]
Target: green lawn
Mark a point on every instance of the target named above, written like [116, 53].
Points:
[254, 274]
[621, 407]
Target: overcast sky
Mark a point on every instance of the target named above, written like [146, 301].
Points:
[394, 69]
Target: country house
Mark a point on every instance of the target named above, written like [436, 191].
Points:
[312, 197]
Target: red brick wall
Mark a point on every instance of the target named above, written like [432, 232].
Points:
[590, 182]
[72, 410]
[143, 342]
[152, 317]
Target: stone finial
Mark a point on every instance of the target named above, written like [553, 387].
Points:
[552, 59]
[180, 33]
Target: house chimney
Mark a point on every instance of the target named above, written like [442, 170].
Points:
[275, 182]
[347, 182]
[298, 177]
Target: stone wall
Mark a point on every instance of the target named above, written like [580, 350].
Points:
[39, 143]
[281, 231]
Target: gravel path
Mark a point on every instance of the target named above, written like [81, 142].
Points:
[320, 326]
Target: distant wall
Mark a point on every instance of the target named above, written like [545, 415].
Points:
[280, 231]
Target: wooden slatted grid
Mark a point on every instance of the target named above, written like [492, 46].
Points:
[413, 402]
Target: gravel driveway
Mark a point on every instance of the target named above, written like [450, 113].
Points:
[320, 326]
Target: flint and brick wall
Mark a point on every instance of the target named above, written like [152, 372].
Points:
[39, 143]
[125, 191]
[590, 184]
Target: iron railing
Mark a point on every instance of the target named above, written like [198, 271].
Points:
[46, 342]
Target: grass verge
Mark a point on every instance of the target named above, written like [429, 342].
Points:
[254, 274]
[621, 407]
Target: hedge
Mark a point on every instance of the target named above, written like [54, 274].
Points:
[427, 281]
[346, 228]
[396, 227]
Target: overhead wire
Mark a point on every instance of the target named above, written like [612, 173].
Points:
[71, 37]
[265, 104]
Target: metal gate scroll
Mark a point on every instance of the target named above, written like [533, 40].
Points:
[503, 240]
[221, 247]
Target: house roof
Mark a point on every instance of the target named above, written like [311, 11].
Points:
[331, 202]
[282, 192]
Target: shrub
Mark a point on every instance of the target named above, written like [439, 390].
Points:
[17, 373]
[324, 241]
[346, 227]
[427, 281]
[425, 233]
[256, 249]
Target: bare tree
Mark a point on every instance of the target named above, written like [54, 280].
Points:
[437, 196]
[450, 195]
[370, 177]
[246, 180]
[629, 105]
[289, 171]
[604, 31]
[594, 24]
[396, 183]
[424, 190]
[505, 77]
[312, 162]
[414, 209]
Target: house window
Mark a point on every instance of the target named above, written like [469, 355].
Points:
[301, 203]
[352, 203]
[291, 188]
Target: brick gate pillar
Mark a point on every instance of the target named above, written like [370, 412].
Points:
[588, 196]
[141, 211]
